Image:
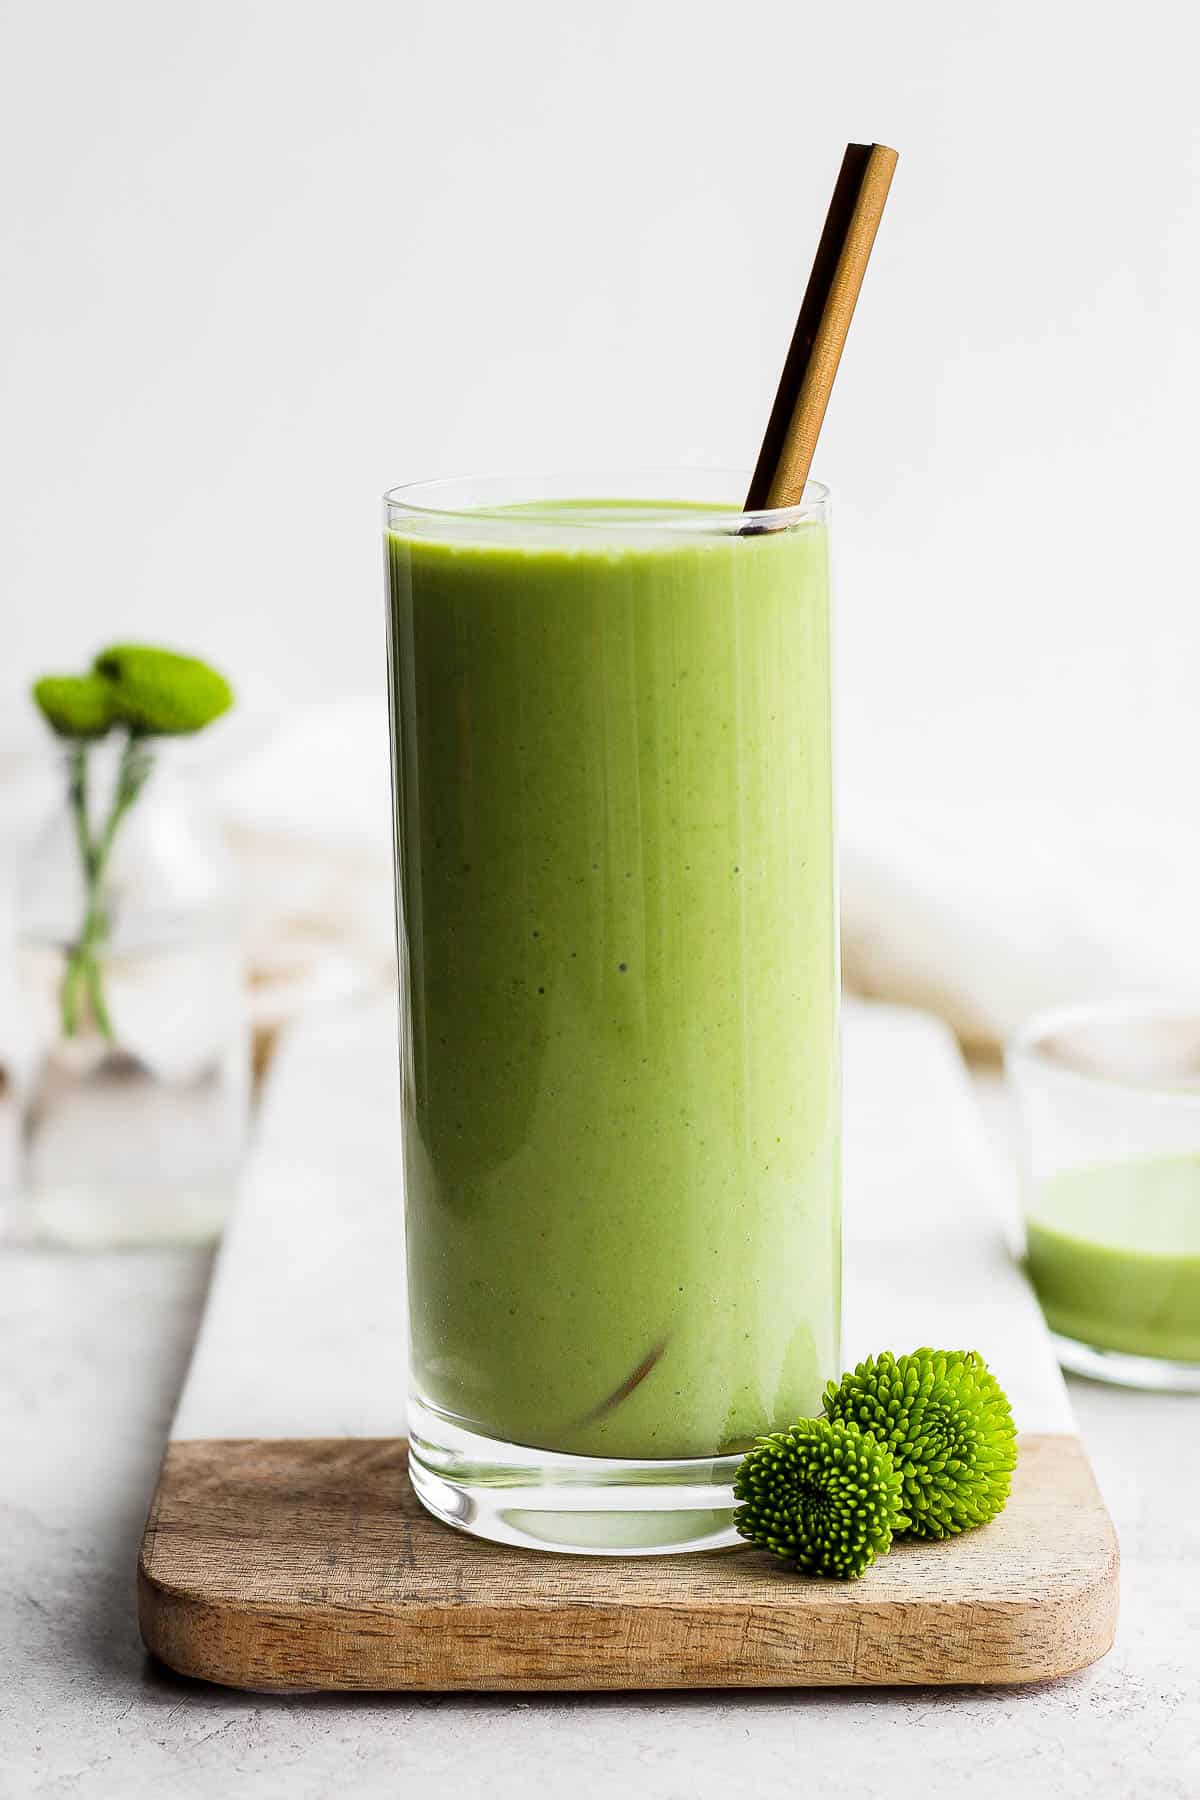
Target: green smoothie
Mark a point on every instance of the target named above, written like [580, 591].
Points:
[620, 1069]
[1114, 1253]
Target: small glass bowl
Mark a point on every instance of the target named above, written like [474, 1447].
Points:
[1109, 1102]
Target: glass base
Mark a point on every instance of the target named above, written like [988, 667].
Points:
[576, 1505]
[1125, 1370]
[95, 1217]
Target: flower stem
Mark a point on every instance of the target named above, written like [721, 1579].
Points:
[83, 968]
[77, 797]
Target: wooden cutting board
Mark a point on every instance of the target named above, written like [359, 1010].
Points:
[310, 1564]
[285, 1549]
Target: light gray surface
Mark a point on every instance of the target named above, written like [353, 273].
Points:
[92, 1354]
[93, 1351]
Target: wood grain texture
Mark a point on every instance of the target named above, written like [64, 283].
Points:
[310, 1564]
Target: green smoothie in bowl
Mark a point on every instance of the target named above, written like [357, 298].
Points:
[619, 1037]
[1109, 1100]
[1113, 1250]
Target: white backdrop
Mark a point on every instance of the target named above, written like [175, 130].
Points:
[262, 260]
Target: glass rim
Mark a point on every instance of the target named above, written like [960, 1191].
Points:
[1027, 1045]
[548, 510]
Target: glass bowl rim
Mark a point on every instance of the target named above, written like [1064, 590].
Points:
[1026, 1046]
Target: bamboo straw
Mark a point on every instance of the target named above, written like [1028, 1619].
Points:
[825, 315]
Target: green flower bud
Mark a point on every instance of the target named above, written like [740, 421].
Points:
[822, 1496]
[75, 706]
[948, 1426]
[160, 694]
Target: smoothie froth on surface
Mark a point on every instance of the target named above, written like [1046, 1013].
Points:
[620, 1053]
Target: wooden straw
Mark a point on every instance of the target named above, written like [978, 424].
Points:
[825, 315]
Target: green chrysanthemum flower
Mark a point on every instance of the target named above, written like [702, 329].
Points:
[949, 1428]
[75, 706]
[822, 1496]
[158, 693]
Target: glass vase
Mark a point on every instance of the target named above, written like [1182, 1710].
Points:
[136, 1056]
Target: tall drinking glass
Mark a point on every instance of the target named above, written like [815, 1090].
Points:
[619, 1036]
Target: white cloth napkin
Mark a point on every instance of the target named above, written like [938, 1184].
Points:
[977, 922]
[308, 812]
